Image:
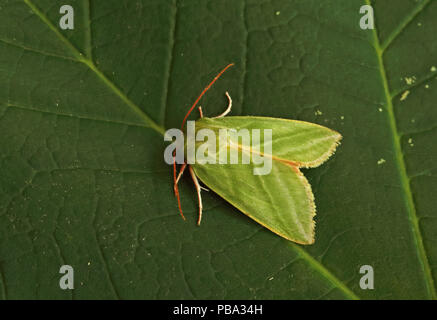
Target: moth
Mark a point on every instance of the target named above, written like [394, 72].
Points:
[282, 200]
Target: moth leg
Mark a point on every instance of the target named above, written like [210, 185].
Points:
[200, 111]
[199, 197]
[181, 172]
[175, 185]
[228, 108]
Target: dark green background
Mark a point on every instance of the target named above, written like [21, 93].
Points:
[82, 177]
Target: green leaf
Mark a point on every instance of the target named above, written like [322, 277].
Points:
[82, 176]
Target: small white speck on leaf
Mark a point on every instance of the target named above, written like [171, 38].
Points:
[271, 278]
[419, 24]
[427, 86]
[380, 109]
[342, 117]
[433, 69]
[405, 95]
[410, 142]
[318, 113]
[381, 161]
[278, 13]
[410, 80]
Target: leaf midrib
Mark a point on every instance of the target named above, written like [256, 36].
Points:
[87, 60]
[399, 155]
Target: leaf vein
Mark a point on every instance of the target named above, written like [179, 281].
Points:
[90, 64]
[45, 53]
[88, 35]
[325, 272]
[61, 114]
[404, 23]
[402, 170]
[172, 45]
[417, 83]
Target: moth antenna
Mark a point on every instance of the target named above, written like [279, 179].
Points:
[199, 197]
[203, 92]
[196, 182]
[228, 109]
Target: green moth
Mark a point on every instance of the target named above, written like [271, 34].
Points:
[282, 200]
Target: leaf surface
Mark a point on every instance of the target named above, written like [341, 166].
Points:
[82, 180]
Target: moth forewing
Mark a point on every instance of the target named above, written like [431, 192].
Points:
[303, 143]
